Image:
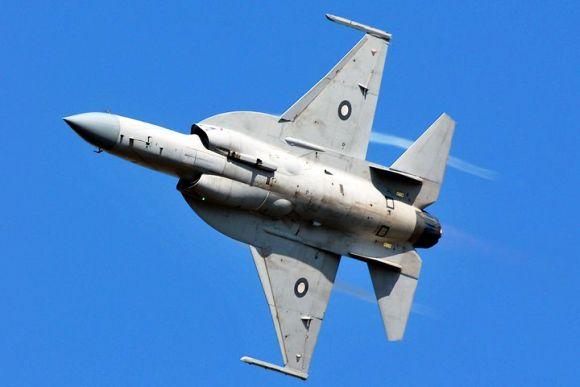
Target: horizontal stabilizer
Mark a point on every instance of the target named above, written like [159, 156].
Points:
[395, 291]
[427, 157]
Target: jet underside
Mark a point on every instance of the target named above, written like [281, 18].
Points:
[297, 189]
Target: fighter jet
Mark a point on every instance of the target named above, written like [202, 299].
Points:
[297, 189]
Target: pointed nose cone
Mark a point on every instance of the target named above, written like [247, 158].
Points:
[100, 129]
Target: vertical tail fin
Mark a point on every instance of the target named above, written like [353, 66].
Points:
[427, 157]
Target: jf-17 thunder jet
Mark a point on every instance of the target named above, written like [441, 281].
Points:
[297, 189]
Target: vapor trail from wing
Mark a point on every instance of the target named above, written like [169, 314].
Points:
[366, 296]
[453, 162]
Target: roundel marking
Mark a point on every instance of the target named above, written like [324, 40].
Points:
[344, 110]
[301, 287]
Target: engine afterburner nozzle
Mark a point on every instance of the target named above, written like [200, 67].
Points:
[427, 231]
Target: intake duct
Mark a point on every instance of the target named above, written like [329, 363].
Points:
[427, 231]
[233, 194]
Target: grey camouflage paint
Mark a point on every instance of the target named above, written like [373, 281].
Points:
[298, 190]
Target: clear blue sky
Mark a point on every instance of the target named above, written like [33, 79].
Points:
[108, 278]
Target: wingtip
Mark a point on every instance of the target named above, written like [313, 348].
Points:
[359, 26]
[273, 367]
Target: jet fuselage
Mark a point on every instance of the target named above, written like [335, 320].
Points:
[298, 190]
[288, 195]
